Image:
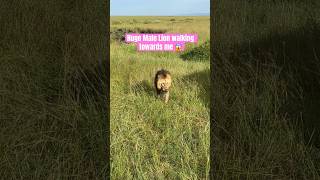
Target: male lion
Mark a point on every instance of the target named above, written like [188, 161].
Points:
[162, 83]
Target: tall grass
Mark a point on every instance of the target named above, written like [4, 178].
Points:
[265, 91]
[150, 139]
[52, 56]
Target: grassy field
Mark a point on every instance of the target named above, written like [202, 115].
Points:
[265, 89]
[53, 104]
[150, 139]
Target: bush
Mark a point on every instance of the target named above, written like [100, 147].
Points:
[201, 53]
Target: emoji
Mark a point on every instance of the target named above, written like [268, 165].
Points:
[178, 47]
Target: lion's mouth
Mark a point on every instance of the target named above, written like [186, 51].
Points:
[164, 90]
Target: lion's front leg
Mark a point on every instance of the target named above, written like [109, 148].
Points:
[166, 97]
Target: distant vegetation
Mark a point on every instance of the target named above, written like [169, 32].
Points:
[201, 52]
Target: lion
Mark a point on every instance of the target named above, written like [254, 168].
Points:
[162, 82]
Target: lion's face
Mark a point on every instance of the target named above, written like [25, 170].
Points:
[164, 83]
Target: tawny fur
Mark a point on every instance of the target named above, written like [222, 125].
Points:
[162, 84]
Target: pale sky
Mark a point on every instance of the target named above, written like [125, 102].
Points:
[159, 7]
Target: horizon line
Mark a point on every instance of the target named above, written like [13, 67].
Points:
[195, 14]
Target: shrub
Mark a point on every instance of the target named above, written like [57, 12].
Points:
[201, 53]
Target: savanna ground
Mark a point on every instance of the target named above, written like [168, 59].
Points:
[151, 139]
[265, 89]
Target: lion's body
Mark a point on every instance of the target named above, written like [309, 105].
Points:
[162, 84]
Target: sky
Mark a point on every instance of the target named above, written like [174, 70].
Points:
[159, 7]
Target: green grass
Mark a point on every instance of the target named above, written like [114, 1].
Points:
[265, 94]
[151, 139]
[52, 120]
[200, 53]
[265, 90]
